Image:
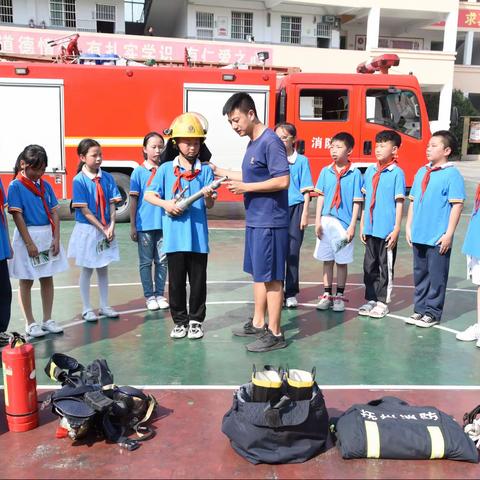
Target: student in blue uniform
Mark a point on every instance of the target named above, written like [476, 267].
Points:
[36, 239]
[340, 199]
[92, 243]
[6, 253]
[298, 201]
[185, 232]
[146, 225]
[471, 248]
[436, 202]
[384, 189]
[263, 182]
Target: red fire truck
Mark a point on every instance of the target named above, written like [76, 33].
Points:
[56, 105]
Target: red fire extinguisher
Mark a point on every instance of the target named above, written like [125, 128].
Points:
[20, 385]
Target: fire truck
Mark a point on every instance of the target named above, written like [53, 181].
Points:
[56, 105]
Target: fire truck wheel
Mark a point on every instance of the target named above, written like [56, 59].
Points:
[123, 183]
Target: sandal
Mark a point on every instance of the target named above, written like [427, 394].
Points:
[379, 311]
[365, 310]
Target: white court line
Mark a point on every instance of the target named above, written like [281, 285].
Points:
[251, 302]
[390, 388]
[240, 282]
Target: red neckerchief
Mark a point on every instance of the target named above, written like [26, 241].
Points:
[39, 192]
[426, 178]
[2, 205]
[337, 197]
[187, 175]
[100, 200]
[375, 181]
[153, 171]
[477, 200]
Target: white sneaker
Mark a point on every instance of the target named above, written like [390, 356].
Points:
[179, 331]
[90, 316]
[338, 303]
[162, 303]
[325, 303]
[291, 302]
[34, 330]
[109, 312]
[364, 310]
[52, 326]
[195, 329]
[152, 304]
[413, 318]
[470, 334]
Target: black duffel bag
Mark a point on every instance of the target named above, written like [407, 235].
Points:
[291, 431]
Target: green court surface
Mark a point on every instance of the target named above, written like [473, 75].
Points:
[346, 349]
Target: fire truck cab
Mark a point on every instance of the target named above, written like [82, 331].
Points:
[56, 105]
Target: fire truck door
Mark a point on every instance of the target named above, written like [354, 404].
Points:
[32, 113]
[226, 146]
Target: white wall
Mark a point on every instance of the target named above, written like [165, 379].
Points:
[39, 10]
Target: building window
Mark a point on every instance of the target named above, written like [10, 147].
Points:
[204, 23]
[242, 25]
[324, 105]
[62, 13]
[134, 11]
[6, 11]
[395, 109]
[105, 13]
[291, 29]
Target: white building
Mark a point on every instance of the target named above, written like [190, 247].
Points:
[313, 35]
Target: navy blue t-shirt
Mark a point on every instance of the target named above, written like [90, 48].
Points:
[264, 159]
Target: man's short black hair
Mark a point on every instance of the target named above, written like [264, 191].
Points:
[389, 136]
[344, 137]
[239, 101]
[448, 140]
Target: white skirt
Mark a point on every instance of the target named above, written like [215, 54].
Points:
[89, 248]
[23, 267]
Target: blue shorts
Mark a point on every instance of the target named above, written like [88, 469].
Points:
[266, 252]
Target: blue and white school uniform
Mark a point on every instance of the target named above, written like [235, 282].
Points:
[5, 253]
[336, 221]
[300, 183]
[471, 247]
[21, 199]
[86, 243]
[431, 214]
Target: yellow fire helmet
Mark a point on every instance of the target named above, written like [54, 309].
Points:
[189, 125]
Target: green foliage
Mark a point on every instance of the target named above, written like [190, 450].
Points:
[465, 108]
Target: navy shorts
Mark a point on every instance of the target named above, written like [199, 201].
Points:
[266, 252]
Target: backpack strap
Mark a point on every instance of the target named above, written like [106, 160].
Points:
[146, 432]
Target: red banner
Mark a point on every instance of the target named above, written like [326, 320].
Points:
[32, 41]
[467, 18]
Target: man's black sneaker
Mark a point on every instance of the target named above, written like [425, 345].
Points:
[248, 330]
[267, 342]
[427, 321]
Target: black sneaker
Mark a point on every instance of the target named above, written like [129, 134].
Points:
[248, 330]
[427, 321]
[267, 342]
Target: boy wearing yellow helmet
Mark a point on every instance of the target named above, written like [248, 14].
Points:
[185, 232]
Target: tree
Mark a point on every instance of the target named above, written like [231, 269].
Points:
[465, 108]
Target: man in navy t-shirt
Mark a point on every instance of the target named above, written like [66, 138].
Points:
[264, 182]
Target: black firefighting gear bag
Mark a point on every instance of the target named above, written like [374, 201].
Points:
[269, 422]
[89, 401]
[391, 428]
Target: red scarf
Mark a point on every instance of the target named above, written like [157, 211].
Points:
[337, 197]
[187, 175]
[375, 181]
[39, 192]
[100, 201]
[153, 171]
[2, 207]
[477, 200]
[426, 178]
